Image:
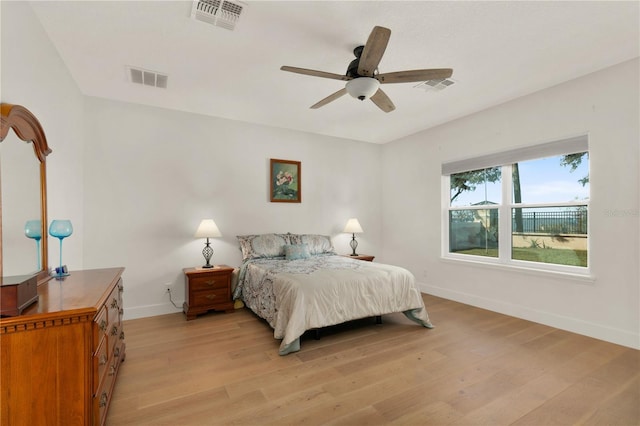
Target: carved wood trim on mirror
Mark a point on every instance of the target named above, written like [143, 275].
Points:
[27, 127]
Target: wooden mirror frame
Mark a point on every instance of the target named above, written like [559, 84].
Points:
[27, 127]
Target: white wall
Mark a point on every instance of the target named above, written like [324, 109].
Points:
[34, 76]
[152, 174]
[604, 104]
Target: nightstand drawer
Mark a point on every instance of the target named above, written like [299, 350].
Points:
[208, 282]
[207, 298]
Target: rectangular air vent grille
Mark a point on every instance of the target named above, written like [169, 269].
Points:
[221, 13]
[435, 85]
[147, 77]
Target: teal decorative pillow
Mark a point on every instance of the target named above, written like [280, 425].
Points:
[296, 251]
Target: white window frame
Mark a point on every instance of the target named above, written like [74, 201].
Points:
[505, 161]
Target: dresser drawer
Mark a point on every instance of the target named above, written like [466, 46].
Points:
[100, 327]
[102, 397]
[100, 361]
[114, 318]
[114, 305]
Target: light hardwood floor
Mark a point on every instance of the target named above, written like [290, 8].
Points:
[475, 368]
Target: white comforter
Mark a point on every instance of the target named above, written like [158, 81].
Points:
[298, 295]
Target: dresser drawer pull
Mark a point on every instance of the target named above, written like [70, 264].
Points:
[210, 296]
[112, 370]
[103, 399]
[114, 331]
[121, 311]
[116, 352]
[114, 304]
[103, 359]
[122, 335]
[210, 283]
[103, 326]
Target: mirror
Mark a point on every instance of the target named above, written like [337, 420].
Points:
[23, 210]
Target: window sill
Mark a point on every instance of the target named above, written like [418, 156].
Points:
[585, 277]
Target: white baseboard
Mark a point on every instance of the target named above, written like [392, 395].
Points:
[591, 329]
[151, 310]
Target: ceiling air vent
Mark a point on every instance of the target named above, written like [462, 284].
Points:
[221, 13]
[147, 78]
[435, 85]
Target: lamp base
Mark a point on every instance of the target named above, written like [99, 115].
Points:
[207, 252]
[354, 244]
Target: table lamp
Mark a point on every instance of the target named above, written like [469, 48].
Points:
[353, 227]
[207, 229]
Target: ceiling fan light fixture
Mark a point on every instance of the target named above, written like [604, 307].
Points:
[362, 87]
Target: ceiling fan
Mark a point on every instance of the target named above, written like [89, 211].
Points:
[364, 80]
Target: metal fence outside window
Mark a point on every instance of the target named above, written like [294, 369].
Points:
[551, 222]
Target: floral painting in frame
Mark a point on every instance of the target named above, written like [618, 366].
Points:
[285, 181]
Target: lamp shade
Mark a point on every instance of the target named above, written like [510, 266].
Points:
[353, 226]
[362, 87]
[208, 229]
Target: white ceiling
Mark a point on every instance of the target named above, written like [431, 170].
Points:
[498, 51]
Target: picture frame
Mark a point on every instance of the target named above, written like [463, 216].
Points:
[285, 177]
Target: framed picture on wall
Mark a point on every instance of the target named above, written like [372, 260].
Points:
[285, 181]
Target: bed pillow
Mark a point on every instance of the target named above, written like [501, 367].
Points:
[318, 244]
[296, 251]
[262, 245]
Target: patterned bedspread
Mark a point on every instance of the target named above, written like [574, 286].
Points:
[297, 295]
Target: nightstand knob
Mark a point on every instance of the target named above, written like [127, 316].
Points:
[210, 283]
[210, 296]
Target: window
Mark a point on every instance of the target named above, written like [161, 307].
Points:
[526, 207]
[473, 218]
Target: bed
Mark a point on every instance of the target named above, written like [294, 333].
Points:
[297, 282]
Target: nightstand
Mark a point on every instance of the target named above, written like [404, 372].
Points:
[207, 289]
[365, 257]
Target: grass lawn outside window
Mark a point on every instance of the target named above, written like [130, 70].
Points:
[541, 255]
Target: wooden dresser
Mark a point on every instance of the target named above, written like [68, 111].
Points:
[59, 360]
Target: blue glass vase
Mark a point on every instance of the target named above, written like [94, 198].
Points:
[33, 230]
[60, 229]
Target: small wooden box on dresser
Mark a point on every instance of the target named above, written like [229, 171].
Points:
[207, 289]
[60, 358]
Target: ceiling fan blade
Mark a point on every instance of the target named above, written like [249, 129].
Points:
[329, 98]
[373, 51]
[382, 101]
[414, 75]
[315, 73]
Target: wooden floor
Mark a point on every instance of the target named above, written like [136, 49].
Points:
[475, 368]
